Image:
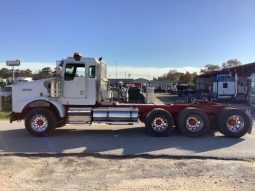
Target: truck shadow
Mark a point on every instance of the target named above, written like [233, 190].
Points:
[128, 141]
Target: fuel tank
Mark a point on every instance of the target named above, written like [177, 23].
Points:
[115, 114]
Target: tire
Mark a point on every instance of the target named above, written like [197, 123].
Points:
[61, 123]
[193, 122]
[233, 122]
[40, 122]
[159, 123]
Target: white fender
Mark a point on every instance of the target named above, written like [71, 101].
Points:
[19, 108]
[59, 107]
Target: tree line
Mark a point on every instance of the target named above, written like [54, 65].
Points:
[189, 78]
[178, 77]
[214, 67]
[45, 72]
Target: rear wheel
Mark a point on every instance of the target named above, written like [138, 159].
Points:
[40, 122]
[233, 122]
[159, 123]
[193, 122]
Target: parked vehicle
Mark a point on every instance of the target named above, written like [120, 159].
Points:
[80, 94]
[119, 94]
[224, 86]
[135, 95]
[3, 83]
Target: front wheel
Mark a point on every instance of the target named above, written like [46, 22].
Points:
[233, 122]
[40, 122]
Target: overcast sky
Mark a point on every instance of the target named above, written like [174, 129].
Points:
[145, 38]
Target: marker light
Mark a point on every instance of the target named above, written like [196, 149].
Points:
[77, 56]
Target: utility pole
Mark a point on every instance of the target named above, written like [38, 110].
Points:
[116, 72]
[13, 76]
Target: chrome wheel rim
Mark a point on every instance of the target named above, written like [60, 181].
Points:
[39, 123]
[235, 123]
[194, 123]
[159, 124]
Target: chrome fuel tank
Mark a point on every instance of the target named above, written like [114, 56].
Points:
[115, 115]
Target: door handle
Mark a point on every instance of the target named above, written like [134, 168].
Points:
[82, 92]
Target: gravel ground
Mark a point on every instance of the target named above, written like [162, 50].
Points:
[95, 173]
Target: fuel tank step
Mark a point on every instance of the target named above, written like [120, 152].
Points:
[79, 115]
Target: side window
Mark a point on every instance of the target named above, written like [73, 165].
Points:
[69, 72]
[74, 70]
[225, 85]
[80, 71]
[253, 87]
[92, 71]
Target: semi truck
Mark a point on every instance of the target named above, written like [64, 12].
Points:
[79, 93]
[224, 86]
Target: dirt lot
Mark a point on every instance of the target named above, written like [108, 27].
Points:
[95, 173]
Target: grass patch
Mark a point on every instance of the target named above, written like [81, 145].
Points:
[4, 115]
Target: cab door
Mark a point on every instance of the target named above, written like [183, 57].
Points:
[251, 90]
[74, 83]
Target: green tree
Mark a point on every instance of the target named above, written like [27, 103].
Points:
[5, 73]
[172, 75]
[187, 78]
[43, 74]
[182, 78]
[25, 73]
[46, 73]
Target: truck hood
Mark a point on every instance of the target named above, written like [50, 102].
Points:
[31, 89]
[30, 83]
